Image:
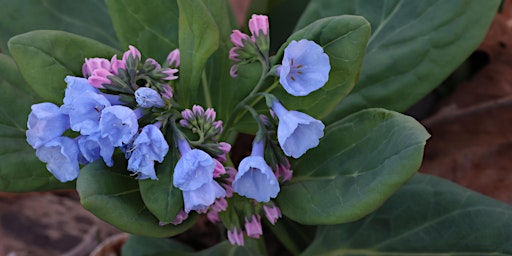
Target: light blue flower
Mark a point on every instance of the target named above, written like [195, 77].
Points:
[83, 103]
[147, 97]
[61, 158]
[255, 178]
[94, 147]
[297, 132]
[119, 124]
[194, 169]
[45, 122]
[201, 198]
[305, 68]
[148, 147]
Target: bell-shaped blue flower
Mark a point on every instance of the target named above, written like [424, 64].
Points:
[194, 169]
[305, 68]
[148, 147]
[119, 124]
[45, 122]
[255, 178]
[297, 132]
[94, 147]
[61, 158]
[83, 103]
[147, 97]
[201, 198]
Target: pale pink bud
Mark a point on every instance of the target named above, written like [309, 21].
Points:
[116, 64]
[284, 171]
[99, 77]
[237, 38]
[94, 63]
[167, 94]
[233, 55]
[187, 114]
[233, 71]
[258, 23]
[272, 213]
[182, 216]
[198, 110]
[134, 52]
[220, 205]
[219, 169]
[225, 148]
[213, 217]
[170, 72]
[154, 63]
[253, 227]
[210, 115]
[236, 237]
[173, 59]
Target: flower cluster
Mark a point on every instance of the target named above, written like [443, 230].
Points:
[127, 106]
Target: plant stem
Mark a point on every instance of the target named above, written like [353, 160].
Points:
[206, 90]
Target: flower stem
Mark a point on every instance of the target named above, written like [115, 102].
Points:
[206, 90]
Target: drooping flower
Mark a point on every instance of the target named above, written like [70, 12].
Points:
[94, 147]
[119, 124]
[84, 104]
[253, 226]
[180, 217]
[61, 158]
[272, 213]
[305, 68]
[255, 178]
[236, 236]
[147, 97]
[297, 132]
[149, 146]
[283, 171]
[201, 198]
[194, 168]
[45, 122]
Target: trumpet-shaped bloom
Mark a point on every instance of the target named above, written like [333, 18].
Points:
[201, 198]
[297, 132]
[194, 169]
[94, 147]
[305, 68]
[61, 158]
[119, 124]
[148, 147]
[147, 97]
[45, 122]
[255, 178]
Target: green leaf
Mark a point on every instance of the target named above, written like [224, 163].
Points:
[427, 216]
[20, 170]
[46, 57]
[151, 26]
[344, 40]
[294, 237]
[86, 18]
[198, 40]
[252, 247]
[414, 46]
[360, 162]
[114, 197]
[160, 196]
[146, 246]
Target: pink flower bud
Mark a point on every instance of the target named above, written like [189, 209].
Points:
[198, 110]
[154, 63]
[220, 205]
[213, 217]
[219, 169]
[99, 77]
[170, 72]
[210, 115]
[233, 55]
[173, 59]
[236, 236]
[116, 64]
[134, 52]
[258, 23]
[167, 94]
[272, 213]
[94, 63]
[253, 227]
[182, 216]
[187, 114]
[237, 38]
[233, 71]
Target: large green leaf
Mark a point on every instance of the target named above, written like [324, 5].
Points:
[46, 57]
[151, 26]
[161, 197]
[427, 216]
[198, 40]
[344, 40]
[148, 246]
[86, 18]
[114, 197]
[360, 162]
[20, 170]
[414, 46]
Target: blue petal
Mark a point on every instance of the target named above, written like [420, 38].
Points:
[201, 198]
[193, 170]
[256, 180]
[45, 122]
[61, 156]
[298, 132]
[119, 124]
[147, 97]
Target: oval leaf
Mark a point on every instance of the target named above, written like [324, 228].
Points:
[46, 57]
[427, 216]
[114, 197]
[414, 46]
[361, 161]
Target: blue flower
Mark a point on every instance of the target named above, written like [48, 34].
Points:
[194, 169]
[119, 124]
[148, 147]
[83, 103]
[45, 122]
[296, 131]
[255, 178]
[147, 97]
[94, 147]
[305, 68]
[201, 198]
[61, 155]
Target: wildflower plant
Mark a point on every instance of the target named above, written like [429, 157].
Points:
[148, 132]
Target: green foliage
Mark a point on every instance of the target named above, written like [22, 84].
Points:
[413, 47]
[114, 196]
[360, 162]
[427, 216]
[46, 57]
[20, 170]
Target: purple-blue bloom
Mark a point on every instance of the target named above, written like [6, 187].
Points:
[147, 97]
[45, 122]
[148, 147]
[119, 124]
[201, 198]
[83, 103]
[255, 178]
[94, 147]
[305, 68]
[194, 169]
[61, 158]
[297, 132]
